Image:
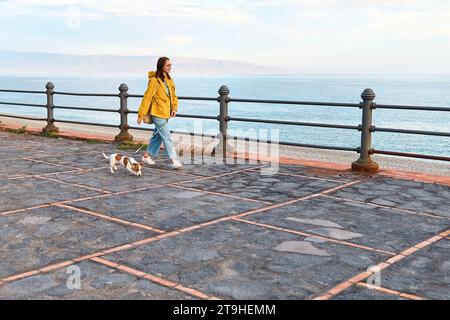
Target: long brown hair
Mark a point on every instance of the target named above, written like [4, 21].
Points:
[160, 66]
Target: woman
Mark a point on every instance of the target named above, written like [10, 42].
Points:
[161, 101]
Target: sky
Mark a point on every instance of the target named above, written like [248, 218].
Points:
[308, 36]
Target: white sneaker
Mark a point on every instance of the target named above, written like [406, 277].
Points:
[176, 164]
[148, 161]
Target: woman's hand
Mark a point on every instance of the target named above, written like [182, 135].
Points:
[139, 120]
[173, 114]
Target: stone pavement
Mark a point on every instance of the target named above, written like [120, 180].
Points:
[212, 231]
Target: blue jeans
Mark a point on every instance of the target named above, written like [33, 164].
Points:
[161, 135]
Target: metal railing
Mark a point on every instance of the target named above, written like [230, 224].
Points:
[366, 128]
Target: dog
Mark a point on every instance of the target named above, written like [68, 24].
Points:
[132, 165]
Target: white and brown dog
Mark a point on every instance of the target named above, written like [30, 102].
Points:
[132, 165]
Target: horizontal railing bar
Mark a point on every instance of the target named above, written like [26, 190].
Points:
[197, 116]
[199, 98]
[316, 146]
[179, 98]
[22, 117]
[308, 103]
[22, 104]
[86, 94]
[23, 91]
[194, 116]
[86, 108]
[296, 123]
[88, 123]
[410, 155]
[420, 132]
[176, 132]
[400, 107]
[319, 146]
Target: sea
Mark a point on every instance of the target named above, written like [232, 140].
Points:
[421, 90]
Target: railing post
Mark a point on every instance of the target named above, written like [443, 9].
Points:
[223, 118]
[365, 163]
[50, 127]
[124, 135]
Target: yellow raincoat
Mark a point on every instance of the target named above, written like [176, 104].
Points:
[156, 97]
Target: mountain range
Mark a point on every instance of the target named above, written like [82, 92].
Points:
[40, 63]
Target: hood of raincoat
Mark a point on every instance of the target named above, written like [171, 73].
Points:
[152, 74]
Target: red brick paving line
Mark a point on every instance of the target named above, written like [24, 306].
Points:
[381, 266]
[219, 175]
[26, 209]
[51, 163]
[75, 185]
[283, 204]
[153, 278]
[390, 291]
[299, 175]
[219, 194]
[178, 172]
[35, 272]
[56, 154]
[46, 155]
[65, 201]
[17, 177]
[305, 234]
[109, 218]
[18, 147]
[164, 235]
[416, 176]
[387, 207]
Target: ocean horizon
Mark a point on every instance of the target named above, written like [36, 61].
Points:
[421, 90]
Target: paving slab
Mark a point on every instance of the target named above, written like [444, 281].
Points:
[364, 224]
[406, 194]
[41, 237]
[234, 260]
[97, 282]
[167, 208]
[273, 188]
[29, 192]
[425, 273]
[228, 259]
